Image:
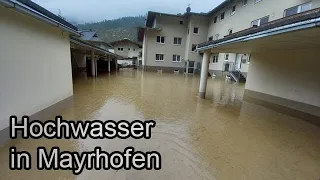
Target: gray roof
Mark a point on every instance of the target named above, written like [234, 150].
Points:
[89, 36]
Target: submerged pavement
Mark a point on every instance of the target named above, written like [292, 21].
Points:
[220, 137]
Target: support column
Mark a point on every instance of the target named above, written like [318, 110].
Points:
[109, 60]
[116, 61]
[93, 64]
[204, 74]
[96, 62]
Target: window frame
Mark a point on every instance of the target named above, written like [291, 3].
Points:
[174, 38]
[181, 22]
[174, 58]
[210, 38]
[259, 21]
[226, 56]
[233, 11]
[159, 56]
[215, 19]
[224, 14]
[120, 49]
[192, 45]
[214, 59]
[196, 28]
[299, 8]
[229, 31]
[164, 39]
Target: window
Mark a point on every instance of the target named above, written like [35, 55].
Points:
[177, 41]
[210, 38]
[230, 31]
[256, 1]
[159, 57]
[260, 21]
[193, 47]
[245, 2]
[134, 49]
[176, 58]
[215, 19]
[297, 9]
[214, 59]
[181, 22]
[226, 57]
[233, 10]
[216, 37]
[196, 30]
[129, 49]
[188, 31]
[160, 39]
[222, 16]
[120, 49]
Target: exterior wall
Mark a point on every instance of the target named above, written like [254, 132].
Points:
[171, 28]
[126, 52]
[202, 23]
[35, 70]
[292, 75]
[244, 15]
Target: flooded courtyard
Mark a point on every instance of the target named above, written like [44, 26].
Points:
[221, 137]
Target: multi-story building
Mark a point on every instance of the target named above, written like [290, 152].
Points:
[129, 50]
[169, 41]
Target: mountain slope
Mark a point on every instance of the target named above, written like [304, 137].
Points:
[116, 29]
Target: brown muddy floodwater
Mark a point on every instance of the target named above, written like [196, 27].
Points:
[219, 138]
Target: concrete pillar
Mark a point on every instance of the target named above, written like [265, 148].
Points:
[93, 64]
[96, 62]
[204, 74]
[109, 60]
[116, 61]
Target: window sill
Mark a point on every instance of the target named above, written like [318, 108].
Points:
[176, 61]
[159, 60]
[177, 44]
[196, 34]
[232, 13]
[160, 43]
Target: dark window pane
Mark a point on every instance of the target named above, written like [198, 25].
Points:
[210, 38]
[215, 19]
[291, 11]
[162, 39]
[196, 30]
[158, 38]
[222, 15]
[264, 20]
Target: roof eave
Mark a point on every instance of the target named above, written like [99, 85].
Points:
[270, 32]
[33, 13]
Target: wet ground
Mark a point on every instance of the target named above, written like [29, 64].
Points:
[218, 138]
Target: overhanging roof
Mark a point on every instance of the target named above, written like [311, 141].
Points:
[152, 15]
[92, 47]
[221, 6]
[296, 22]
[126, 40]
[34, 10]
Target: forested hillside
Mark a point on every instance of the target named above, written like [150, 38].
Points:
[112, 30]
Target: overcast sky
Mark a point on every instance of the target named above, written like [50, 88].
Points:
[81, 11]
